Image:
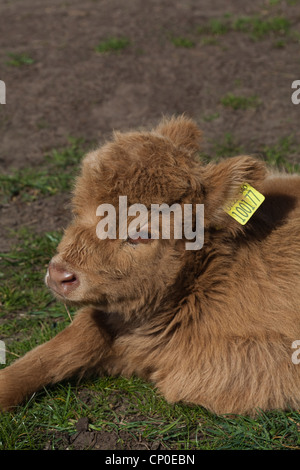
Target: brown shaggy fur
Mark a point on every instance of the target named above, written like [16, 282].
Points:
[213, 327]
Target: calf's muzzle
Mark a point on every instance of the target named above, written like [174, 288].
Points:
[61, 280]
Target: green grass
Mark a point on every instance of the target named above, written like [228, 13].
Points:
[182, 42]
[144, 416]
[228, 147]
[211, 117]
[112, 44]
[28, 313]
[280, 154]
[215, 26]
[269, 431]
[255, 26]
[280, 44]
[55, 175]
[259, 28]
[22, 272]
[240, 102]
[210, 41]
[218, 27]
[18, 60]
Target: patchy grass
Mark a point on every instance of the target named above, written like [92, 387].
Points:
[22, 271]
[211, 117]
[269, 431]
[281, 154]
[216, 27]
[18, 60]
[280, 44]
[259, 28]
[112, 45]
[181, 41]
[132, 406]
[56, 175]
[210, 41]
[240, 102]
[255, 26]
[28, 313]
[228, 147]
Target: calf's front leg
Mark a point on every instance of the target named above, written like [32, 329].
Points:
[76, 350]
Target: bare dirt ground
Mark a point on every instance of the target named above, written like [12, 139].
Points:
[71, 90]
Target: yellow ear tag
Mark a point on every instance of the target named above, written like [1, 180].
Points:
[244, 206]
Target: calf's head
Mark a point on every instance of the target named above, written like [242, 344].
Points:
[158, 167]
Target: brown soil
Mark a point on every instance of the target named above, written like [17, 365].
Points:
[86, 439]
[70, 90]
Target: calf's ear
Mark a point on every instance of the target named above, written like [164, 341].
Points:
[222, 183]
[182, 131]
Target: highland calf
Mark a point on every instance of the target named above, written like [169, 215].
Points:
[213, 326]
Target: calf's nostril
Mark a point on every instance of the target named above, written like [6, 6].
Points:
[68, 277]
[60, 279]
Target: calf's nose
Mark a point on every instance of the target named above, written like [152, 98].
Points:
[61, 280]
